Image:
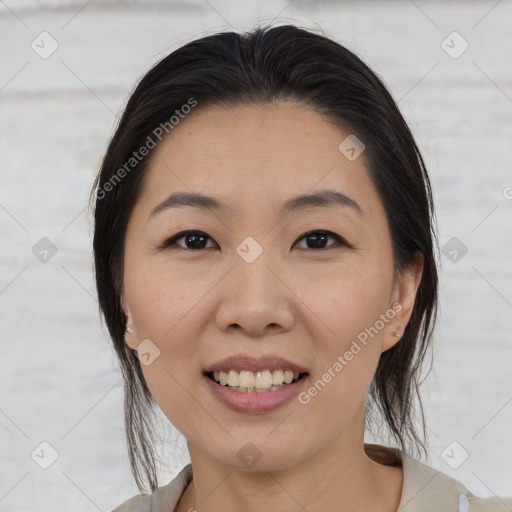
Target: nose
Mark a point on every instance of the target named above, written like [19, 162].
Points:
[255, 298]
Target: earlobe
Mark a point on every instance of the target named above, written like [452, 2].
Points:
[404, 293]
[394, 329]
[128, 320]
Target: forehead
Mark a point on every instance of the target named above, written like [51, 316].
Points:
[249, 154]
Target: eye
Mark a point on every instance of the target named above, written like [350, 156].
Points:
[320, 237]
[196, 240]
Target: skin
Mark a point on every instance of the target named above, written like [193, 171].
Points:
[304, 304]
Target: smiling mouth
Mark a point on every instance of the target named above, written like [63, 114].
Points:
[255, 382]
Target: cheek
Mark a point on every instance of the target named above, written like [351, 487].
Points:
[172, 392]
[348, 339]
[347, 357]
[165, 305]
[346, 298]
[162, 298]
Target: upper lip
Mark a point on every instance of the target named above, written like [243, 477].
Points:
[256, 364]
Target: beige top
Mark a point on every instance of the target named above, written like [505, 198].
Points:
[424, 489]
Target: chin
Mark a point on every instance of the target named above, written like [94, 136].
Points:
[257, 456]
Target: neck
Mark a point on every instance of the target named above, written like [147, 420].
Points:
[341, 476]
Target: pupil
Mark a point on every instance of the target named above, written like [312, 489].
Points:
[320, 237]
[195, 236]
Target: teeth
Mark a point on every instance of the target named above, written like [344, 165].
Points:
[246, 379]
[277, 377]
[255, 381]
[233, 378]
[263, 380]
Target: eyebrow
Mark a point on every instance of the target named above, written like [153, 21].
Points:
[324, 198]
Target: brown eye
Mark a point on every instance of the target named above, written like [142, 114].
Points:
[193, 240]
[319, 239]
[197, 240]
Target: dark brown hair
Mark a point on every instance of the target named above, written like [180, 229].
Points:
[273, 64]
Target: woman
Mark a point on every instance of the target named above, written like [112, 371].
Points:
[264, 255]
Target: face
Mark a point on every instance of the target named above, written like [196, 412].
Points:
[309, 289]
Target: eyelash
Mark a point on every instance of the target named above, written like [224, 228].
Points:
[340, 242]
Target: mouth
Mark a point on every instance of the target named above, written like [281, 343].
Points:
[246, 381]
[251, 385]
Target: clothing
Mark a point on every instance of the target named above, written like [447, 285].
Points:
[424, 489]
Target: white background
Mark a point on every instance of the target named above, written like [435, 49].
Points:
[59, 379]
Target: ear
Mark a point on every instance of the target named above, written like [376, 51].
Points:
[129, 326]
[123, 305]
[402, 300]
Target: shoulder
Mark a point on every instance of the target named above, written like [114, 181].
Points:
[164, 499]
[140, 503]
[426, 489]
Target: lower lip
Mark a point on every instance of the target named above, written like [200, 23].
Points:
[255, 402]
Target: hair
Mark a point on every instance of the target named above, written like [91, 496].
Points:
[273, 64]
